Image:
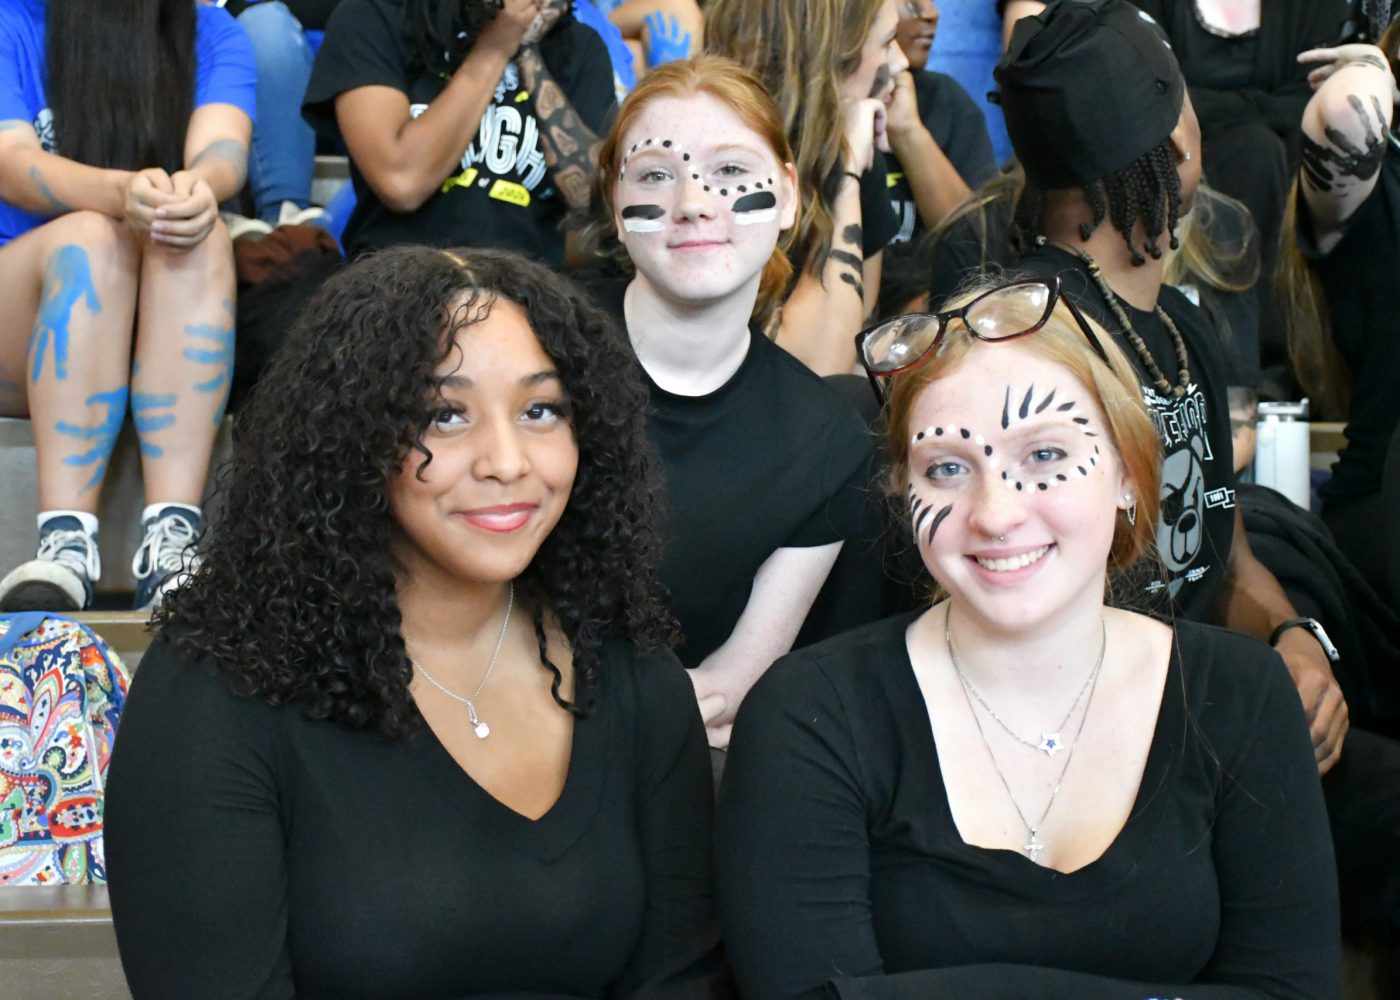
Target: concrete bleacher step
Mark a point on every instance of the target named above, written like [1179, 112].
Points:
[57, 943]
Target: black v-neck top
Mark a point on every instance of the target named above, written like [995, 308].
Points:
[253, 852]
[842, 872]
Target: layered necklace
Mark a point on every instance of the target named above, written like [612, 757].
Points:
[1115, 306]
[480, 728]
[1049, 743]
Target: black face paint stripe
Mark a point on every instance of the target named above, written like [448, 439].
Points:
[1045, 402]
[755, 202]
[1026, 403]
[1080, 420]
[937, 521]
[1006, 410]
[1065, 406]
[647, 212]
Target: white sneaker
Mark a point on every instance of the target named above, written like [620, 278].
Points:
[61, 576]
[166, 556]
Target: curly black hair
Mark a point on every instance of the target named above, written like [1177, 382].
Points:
[1147, 190]
[295, 598]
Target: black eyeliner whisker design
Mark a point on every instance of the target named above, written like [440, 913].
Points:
[937, 521]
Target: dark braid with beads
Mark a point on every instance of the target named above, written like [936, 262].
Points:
[1147, 190]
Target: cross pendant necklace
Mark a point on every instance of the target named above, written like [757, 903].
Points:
[1034, 848]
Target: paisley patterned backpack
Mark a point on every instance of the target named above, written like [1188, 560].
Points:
[61, 692]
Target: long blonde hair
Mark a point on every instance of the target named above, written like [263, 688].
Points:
[801, 50]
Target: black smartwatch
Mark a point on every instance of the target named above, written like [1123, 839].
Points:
[1318, 632]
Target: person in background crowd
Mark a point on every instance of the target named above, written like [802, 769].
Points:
[764, 464]
[121, 129]
[466, 123]
[939, 149]
[1023, 790]
[411, 721]
[825, 62]
[1342, 242]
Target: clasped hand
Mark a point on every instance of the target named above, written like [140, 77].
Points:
[176, 210]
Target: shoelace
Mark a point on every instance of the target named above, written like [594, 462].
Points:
[73, 548]
[163, 548]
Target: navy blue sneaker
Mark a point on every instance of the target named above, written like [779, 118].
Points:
[61, 577]
[166, 555]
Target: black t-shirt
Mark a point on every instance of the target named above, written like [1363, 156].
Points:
[1197, 522]
[254, 852]
[1358, 277]
[956, 124]
[774, 458]
[842, 872]
[879, 224]
[503, 195]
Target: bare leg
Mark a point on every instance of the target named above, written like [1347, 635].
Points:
[67, 301]
[184, 364]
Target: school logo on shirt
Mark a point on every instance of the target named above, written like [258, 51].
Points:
[504, 161]
[1181, 425]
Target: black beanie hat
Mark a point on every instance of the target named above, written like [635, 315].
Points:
[1087, 87]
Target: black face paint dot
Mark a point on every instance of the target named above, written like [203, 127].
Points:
[648, 142]
[1082, 471]
[918, 437]
[938, 431]
[965, 433]
[742, 188]
[1005, 474]
[695, 177]
[1042, 486]
[685, 157]
[1093, 460]
[707, 187]
[666, 143]
[1019, 486]
[643, 212]
[988, 451]
[1060, 476]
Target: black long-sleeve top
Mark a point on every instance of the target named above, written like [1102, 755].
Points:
[256, 853]
[842, 873]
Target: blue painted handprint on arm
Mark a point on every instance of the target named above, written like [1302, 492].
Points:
[665, 42]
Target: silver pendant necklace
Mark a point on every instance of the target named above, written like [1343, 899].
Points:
[1049, 743]
[1034, 845]
[480, 728]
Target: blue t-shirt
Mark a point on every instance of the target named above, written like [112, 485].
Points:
[224, 74]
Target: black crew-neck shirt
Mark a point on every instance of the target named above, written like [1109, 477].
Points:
[501, 195]
[774, 458]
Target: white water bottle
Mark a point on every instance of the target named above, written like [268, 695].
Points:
[1281, 454]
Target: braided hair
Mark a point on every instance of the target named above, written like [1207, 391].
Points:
[1148, 190]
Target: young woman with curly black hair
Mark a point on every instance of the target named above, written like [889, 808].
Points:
[409, 730]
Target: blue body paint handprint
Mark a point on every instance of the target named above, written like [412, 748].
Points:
[102, 434]
[67, 278]
[143, 414]
[665, 43]
[220, 354]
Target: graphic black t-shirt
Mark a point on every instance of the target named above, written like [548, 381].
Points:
[502, 194]
[774, 458]
[956, 124]
[1358, 277]
[1198, 482]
